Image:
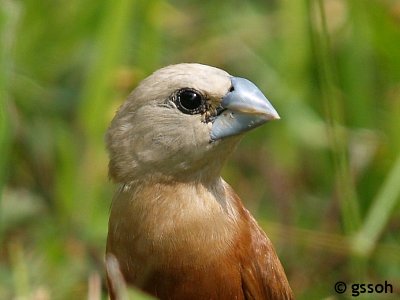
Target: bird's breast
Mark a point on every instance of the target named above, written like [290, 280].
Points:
[176, 225]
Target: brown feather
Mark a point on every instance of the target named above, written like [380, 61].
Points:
[263, 276]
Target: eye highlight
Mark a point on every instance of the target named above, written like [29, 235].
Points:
[190, 101]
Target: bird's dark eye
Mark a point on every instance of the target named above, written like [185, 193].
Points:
[190, 101]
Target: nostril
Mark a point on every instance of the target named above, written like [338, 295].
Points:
[220, 109]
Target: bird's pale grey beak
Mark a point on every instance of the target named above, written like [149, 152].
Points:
[244, 107]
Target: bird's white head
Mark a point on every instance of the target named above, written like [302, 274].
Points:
[182, 120]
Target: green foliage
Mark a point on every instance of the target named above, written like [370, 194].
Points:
[324, 181]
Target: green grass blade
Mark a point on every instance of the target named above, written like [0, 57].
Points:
[108, 47]
[334, 113]
[379, 213]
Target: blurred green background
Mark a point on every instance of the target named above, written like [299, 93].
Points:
[324, 182]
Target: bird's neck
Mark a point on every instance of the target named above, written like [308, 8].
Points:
[180, 201]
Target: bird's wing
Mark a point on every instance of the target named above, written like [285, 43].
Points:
[262, 274]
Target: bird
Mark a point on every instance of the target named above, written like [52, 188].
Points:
[176, 228]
